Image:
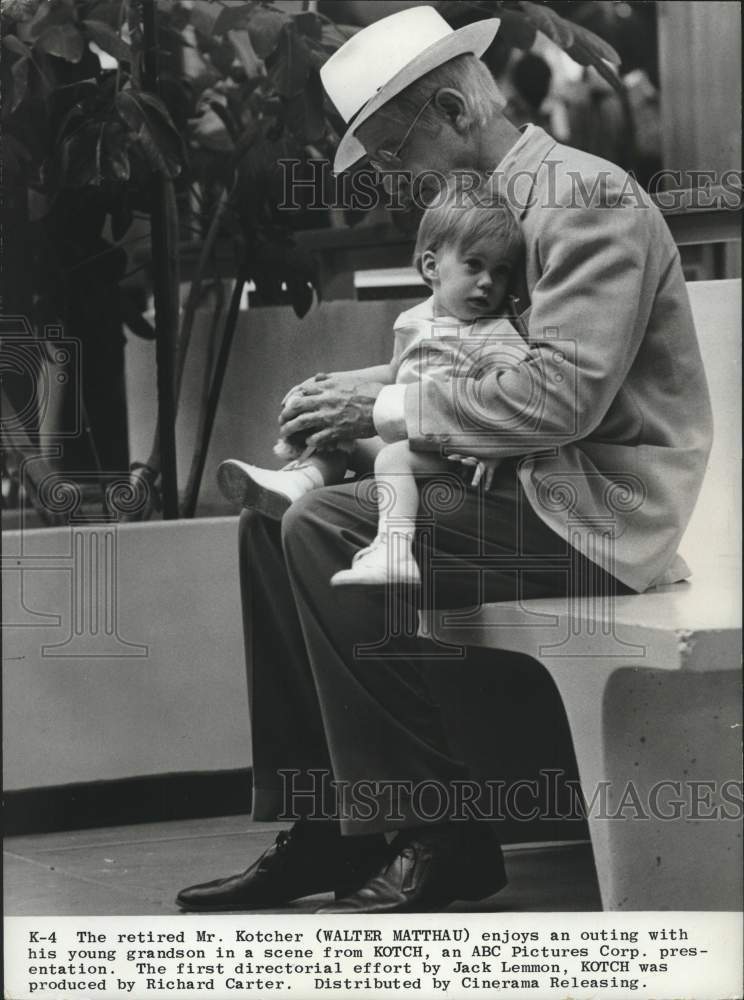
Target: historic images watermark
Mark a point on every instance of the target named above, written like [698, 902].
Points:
[312, 186]
[317, 795]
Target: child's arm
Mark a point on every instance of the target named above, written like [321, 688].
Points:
[375, 373]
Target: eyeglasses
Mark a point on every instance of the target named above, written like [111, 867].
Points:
[384, 159]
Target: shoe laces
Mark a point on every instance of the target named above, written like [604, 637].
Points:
[282, 841]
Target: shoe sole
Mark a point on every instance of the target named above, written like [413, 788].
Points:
[431, 905]
[375, 583]
[237, 485]
[232, 907]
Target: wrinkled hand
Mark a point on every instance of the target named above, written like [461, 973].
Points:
[306, 387]
[335, 407]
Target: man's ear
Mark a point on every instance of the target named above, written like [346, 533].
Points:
[454, 105]
[428, 265]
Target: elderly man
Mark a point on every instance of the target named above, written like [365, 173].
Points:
[606, 420]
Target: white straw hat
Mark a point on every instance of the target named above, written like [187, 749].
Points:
[382, 59]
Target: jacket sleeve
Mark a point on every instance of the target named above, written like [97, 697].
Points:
[584, 331]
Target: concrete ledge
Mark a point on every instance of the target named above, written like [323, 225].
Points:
[123, 652]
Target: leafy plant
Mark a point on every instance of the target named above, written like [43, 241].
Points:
[522, 19]
[85, 136]
[86, 142]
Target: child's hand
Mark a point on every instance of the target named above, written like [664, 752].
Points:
[483, 469]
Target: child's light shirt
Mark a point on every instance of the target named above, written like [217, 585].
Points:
[443, 347]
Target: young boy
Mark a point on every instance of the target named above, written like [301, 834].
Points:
[466, 251]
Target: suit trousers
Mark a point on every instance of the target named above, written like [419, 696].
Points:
[348, 703]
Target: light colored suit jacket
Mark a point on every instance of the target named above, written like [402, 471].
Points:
[611, 408]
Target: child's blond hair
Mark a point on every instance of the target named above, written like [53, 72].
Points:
[465, 214]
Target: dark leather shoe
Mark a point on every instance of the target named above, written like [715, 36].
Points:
[429, 868]
[303, 861]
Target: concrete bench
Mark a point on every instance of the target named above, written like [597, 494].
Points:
[650, 682]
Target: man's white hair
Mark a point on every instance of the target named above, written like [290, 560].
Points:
[465, 73]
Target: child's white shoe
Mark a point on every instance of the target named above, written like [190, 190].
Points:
[270, 491]
[388, 559]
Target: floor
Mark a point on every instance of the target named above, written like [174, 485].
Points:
[130, 870]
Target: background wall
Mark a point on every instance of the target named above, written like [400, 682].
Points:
[700, 77]
[165, 693]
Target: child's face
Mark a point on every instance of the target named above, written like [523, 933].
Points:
[469, 282]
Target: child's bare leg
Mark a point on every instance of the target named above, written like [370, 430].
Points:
[396, 468]
[273, 491]
[390, 556]
[366, 450]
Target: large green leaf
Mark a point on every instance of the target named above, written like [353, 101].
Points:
[108, 40]
[203, 15]
[568, 34]
[289, 66]
[241, 41]
[108, 11]
[516, 31]
[581, 44]
[72, 118]
[265, 27]
[62, 40]
[14, 44]
[19, 72]
[78, 158]
[153, 128]
[304, 113]
[333, 36]
[233, 15]
[308, 24]
[160, 109]
[15, 156]
[115, 152]
[49, 14]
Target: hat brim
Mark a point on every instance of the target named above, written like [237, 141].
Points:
[473, 38]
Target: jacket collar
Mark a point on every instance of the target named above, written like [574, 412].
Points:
[515, 174]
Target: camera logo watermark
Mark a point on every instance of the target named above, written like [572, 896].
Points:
[41, 379]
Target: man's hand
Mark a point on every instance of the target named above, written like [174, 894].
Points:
[305, 388]
[336, 407]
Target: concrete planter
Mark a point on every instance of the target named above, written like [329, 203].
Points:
[123, 652]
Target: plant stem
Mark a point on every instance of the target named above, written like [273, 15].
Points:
[202, 445]
[165, 281]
